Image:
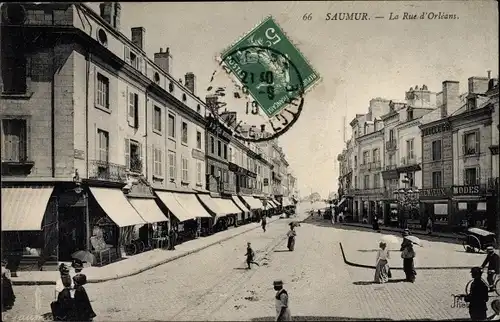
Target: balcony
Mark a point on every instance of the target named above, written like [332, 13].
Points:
[364, 166]
[106, 171]
[390, 167]
[377, 165]
[409, 164]
[391, 145]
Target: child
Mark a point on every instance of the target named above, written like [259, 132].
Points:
[250, 256]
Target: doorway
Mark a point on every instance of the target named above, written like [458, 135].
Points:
[72, 231]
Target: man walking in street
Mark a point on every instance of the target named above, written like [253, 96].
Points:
[493, 262]
[264, 222]
[281, 301]
[478, 296]
[250, 256]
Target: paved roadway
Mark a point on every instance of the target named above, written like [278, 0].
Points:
[213, 284]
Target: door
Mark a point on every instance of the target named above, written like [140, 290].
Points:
[71, 231]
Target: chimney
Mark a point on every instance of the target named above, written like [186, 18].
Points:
[164, 60]
[451, 100]
[111, 12]
[211, 101]
[190, 82]
[138, 35]
[478, 85]
[489, 74]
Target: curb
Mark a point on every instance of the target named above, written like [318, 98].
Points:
[400, 268]
[455, 238]
[150, 266]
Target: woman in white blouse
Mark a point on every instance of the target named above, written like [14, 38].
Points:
[382, 266]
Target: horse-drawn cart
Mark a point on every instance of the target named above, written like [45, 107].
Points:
[477, 240]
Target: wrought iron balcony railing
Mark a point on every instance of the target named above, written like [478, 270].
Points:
[391, 145]
[102, 170]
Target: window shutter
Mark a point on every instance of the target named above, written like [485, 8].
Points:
[136, 111]
[127, 95]
[27, 145]
[162, 157]
[141, 65]
[464, 145]
[127, 55]
[478, 137]
[127, 153]
[478, 175]
[465, 177]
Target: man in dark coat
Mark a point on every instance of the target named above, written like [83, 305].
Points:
[250, 256]
[478, 296]
[493, 262]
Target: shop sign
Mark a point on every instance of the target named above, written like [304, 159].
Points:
[197, 154]
[437, 129]
[466, 190]
[434, 192]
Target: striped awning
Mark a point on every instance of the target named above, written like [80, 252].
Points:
[117, 207]
[23, 208]
[174, 206]
[252, 202]
[148, 209]
[191, 204]
[211, 204]
[240, 204]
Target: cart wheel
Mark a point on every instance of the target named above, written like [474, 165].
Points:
[475, 244]
[497, 286]
[140, 246]
[131, 249]
[465, 244]
[467, 287]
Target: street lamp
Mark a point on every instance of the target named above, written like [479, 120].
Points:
[408, 200]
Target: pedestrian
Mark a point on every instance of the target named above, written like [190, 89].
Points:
[77, 265]
[263, 223]
[382, 264]
[291, 237]
[281, 300]
[478, 296]
[172, 238]
[429, 226]
[375, 224]
[8, 297]
[493, 261]
[408, 255]
[64, 278]
[83, 308]
[63, 308]
[495, 306]
[250, 256]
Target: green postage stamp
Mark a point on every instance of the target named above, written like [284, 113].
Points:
[269, 67]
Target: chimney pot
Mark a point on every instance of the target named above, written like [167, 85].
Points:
[161, 50]
[138, 36]
[489, 74]
[164, 61]
[190, 82]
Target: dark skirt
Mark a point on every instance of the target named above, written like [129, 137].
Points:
[291, 243]
[8, 297]
[409, 269]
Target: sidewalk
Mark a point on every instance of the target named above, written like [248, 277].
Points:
[455, 237]
[144, 261]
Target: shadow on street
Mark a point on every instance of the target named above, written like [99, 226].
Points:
[396, 280]
[342, 318]
[282, 251]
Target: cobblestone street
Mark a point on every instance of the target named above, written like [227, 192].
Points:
[213, 284]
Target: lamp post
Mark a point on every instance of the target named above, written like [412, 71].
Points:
[407, 198]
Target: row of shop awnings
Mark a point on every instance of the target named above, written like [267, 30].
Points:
[23, 208]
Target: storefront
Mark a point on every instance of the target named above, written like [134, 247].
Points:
[224, 211]
[435, 203]
[472, 208]
[253, 204]
[246, 213]
[192, 205]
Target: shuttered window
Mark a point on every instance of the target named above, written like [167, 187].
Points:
[158, 162]
[172, 165]
[436, 150]
[437, 180]
[199, 166]
[102, 91]
[157, 119]
[185, 171]
[14, 145]
[471, 176]
[103, 145]
[470, 143]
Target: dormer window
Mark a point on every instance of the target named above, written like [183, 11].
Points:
[471, 103]
[133, 59]
[366, 129]
[409, 114]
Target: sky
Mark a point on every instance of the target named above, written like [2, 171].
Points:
[357, 60]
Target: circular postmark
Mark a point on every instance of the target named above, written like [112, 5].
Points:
[274, 84]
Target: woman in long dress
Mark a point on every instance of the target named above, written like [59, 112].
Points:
[408, 255]
[291, 237]
[63, 309]
[83, 308]
[8, 297]
[382, 267]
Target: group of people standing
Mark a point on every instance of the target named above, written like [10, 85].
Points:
[71, 300]
[382, 268]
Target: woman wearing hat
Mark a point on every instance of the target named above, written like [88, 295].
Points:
[63, 307]
[382, 267]
[83, 308]
[8, 297]
[281, 302]
[408, 255]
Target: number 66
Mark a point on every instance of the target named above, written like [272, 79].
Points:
[272, 36]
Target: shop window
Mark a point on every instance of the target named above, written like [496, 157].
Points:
[436, 150]
[437, 179]
[470, 143]
[184, 133]
[14, 140]
[157, 119]
[171, 126]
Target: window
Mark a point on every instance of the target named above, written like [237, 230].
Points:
[172, 163]
[102, 91]
[219, 148]
[133, 109]
[366, 182]
[157, 162]
[376, 155]
[199, 165]
[212, 170]
[14, 65]
[133, 59]
[171, 125]
[231, 154]
[198, 109]
[157, 119]
[409, 114]
[411, 179]
[198, 140]
[226, 177]
[366, 157]
[436, 179]
[103, 145]
[355, 182]
[470, 143]
[376, 180]
[184, 132]
[355, 161]
[133, 154]
[391, 135]
[185, 171]
[471, 103]
[409, 149]
[390, 159]
[471, 176]
[436, 150]
[14, 145]
[225, 151]
[212, 145]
